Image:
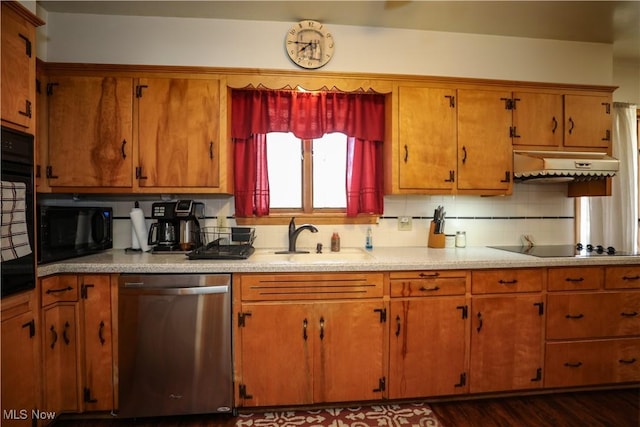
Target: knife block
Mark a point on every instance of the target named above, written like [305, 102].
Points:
[435, 240]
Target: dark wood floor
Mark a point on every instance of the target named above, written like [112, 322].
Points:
[613, 408]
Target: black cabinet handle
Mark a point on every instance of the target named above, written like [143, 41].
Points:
[571, 125]
[304, 329]
[27, 109]
[54, 336]
[321, 328]
[464, 154]
[508, 282]
[431, 289]
[54, 291]
[124, 142]
[631, 314]
[406, 153]
[211, 150]
[479, 328]
[571, 279]
[573, 365]
[637, 277]
[65, 337]
[397, 326]
[576, 316]
[555, 124]
[627, 361]
[100, 333]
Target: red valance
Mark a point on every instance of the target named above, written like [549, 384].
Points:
[307, 115]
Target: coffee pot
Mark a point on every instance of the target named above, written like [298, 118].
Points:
[163, 233]
[189, 234]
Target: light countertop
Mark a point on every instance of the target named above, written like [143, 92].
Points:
[378, 259]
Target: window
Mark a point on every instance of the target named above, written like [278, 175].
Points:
[308, 184]
[307, 175]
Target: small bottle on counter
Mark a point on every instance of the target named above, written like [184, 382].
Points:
[335, 242]
[461, 239]
[368, 244]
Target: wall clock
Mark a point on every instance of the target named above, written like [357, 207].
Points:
[309, 44]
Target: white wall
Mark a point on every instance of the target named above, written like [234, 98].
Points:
[543, 211]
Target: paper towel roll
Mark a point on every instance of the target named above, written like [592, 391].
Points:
[140, 228]
[134, 239]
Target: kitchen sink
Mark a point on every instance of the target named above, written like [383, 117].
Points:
[345, 255]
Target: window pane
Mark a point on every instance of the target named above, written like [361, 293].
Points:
[329, 171]
[284, 157]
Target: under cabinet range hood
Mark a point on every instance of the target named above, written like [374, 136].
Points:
[562, 166]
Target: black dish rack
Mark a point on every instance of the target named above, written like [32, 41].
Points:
[224, 243]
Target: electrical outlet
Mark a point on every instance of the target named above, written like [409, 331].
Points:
[221, 221]
[404, 223]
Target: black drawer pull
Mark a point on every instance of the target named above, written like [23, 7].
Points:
[508, 282]
[573, 365]
[571, 279]
[423, 289]
[53, 291]
[628, 361]
[423, 275]
[636, 277]
[577, 316]
[632, 314]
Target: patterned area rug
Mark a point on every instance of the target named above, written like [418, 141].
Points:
[405, 415]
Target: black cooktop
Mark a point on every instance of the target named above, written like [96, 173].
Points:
[549, 251]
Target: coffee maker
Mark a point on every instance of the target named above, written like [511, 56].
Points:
[177, 227]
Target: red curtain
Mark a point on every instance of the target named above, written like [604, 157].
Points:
[308, 115]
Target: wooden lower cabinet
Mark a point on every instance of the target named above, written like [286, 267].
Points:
[593, 362]
[506, 343]
[77, 343]
[294, 352]
[428, 323]
[304, 353]
[20, 359]
[61, 358]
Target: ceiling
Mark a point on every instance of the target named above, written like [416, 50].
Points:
[616, 22]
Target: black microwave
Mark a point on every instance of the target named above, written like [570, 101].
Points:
[71, 231]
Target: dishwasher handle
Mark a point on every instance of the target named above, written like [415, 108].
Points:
[140, 289]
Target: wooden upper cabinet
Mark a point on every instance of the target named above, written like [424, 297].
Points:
[537, 119]
[427, 139]
[587, 121]
[90, 131]
[179, 132]
[485, 163]
[18, 57]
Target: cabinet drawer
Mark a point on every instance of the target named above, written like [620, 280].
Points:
[269, 287]
[594, 315]
[575, 279]
[506, 280]
[592, 362]
[623, 277]
[428, 283]
[59, 288]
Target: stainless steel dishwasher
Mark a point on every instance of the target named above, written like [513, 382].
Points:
[174, 344]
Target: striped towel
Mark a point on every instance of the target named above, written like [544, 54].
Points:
[15, 237]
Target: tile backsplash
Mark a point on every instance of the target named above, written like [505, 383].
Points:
[542, 210]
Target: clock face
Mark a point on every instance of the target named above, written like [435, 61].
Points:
[309, 44]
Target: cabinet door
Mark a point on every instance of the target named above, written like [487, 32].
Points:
[587, 121]
[348, 353]
[277, 354]
[18, 69]
[502, 360]
[537, 119]
[484, 145]
[95, 294]
[90, 131]
[19, 369]
[179, 132]
[427, 138]
[427, 347]
[60, 358]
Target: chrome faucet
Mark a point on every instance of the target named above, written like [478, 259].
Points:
[293, 235]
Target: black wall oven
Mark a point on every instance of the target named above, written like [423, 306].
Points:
[18, 260]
